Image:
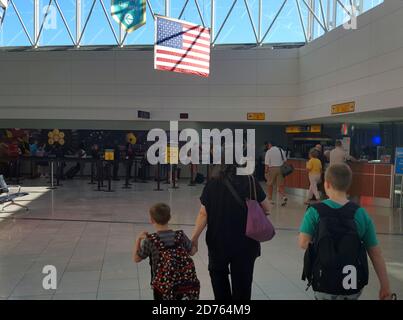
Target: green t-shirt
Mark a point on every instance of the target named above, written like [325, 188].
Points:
[365, 226]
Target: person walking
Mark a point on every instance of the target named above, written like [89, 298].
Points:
[230, 251]
[274, 159]
[323, 160]
[314, 167]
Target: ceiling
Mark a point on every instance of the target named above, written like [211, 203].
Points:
[384, 115]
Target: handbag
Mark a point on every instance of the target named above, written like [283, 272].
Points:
[286, 168]
[258, 225]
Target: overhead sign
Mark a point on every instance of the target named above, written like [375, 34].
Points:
[143, 114]
[130, 14]
[316, 128]
[256, 116]
[343, 107]
[399, 161]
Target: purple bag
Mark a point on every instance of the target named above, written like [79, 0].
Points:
[258, 226]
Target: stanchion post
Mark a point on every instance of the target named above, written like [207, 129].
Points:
[92, 172]
[127, 176]
[52, 185]
[174, 172]
[135, 170]
[192, 178]
[158, 177]
[59, 172]
[18, 171]
[109, 176]
[208, 173]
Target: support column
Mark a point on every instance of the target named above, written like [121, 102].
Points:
[212, 24]
[36, 22]
[78, 22]
[167, 8]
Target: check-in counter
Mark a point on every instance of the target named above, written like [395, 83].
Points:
[372, 182]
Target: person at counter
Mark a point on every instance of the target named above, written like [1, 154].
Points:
[338, 155]
[274, 159]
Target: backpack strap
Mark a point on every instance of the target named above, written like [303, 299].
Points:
[179, 237]
[156, 240]
[347, 211]
[234, 193]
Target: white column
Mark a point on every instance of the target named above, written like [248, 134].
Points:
[78, 21]
[36, 21]
[167, 8]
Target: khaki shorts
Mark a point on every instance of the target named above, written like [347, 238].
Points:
[274, 177]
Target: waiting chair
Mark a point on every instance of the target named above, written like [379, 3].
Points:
[8, 199]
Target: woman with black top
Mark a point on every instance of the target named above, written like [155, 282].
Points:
[230, 250]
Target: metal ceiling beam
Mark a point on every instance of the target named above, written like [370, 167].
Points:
[183, 9]
[22, 22]
[272, 23]
[109, 22]
[200, 14]
[39, 32]
[251, 21]
[64, 21]
[86, 22]
[151, 9]
[315, 16]
[225, 20]
[301, 20]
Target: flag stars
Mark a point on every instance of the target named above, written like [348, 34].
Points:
[169, 33]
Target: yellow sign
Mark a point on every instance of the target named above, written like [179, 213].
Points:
[131, 138]
[256, 116]
[316, 128]
[172, 155]
[56, 136]
[343, 107]
[109, 155]
[293, 129]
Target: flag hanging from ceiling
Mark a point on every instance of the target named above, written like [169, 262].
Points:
[181, 47]
[130, 14]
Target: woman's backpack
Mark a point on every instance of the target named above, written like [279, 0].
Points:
[175, 275]
[336, 261]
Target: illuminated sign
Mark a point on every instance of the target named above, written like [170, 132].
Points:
[256, 116]
[109, 154]
[172, 155]
[317, 128]
[343, 107]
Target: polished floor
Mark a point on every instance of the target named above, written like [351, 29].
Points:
[89, 235]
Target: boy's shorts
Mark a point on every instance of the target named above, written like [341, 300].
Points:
[328, 296]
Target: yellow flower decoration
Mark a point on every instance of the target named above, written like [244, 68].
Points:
[56, 136]
[131, 138]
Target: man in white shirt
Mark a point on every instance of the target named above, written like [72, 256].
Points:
[274, 159]
[338, 155]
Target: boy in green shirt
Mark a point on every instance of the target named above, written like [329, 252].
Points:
[337, 181]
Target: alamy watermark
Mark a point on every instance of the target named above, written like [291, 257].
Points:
[350, 17]
[49, 281]
[215, 147]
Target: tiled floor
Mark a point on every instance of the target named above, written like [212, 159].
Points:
[88, 236]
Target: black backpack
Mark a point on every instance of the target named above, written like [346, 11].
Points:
[336, 244]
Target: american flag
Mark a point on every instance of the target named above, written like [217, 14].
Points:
[181, 47]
